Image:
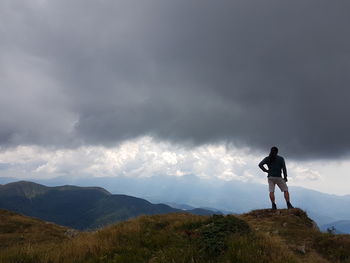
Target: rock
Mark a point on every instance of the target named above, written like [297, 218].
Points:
[71, 233]
[301, 249]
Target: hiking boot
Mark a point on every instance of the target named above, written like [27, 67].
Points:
[289, 205]
[274, 206]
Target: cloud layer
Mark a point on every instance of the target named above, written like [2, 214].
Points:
[251, 73]
[143, 157]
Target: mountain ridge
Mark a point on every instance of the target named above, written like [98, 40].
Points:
[231, 196]
[78, 207]
[227, 197]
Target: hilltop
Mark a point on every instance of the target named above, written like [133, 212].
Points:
[258, 236]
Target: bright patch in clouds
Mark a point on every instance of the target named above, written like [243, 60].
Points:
[140, 157]
[147, 157]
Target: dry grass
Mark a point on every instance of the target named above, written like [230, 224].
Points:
[272, 237]
[17, 229]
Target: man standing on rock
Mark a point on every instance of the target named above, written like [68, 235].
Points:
[276, 165]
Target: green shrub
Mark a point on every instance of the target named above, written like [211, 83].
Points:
[211, 235]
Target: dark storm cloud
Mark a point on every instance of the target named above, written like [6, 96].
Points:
[255, 73]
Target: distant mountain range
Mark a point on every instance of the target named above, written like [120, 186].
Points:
[78, 207]
[189, 191]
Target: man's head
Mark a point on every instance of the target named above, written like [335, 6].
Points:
[274, 151]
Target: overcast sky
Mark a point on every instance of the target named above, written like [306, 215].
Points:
[239, 74]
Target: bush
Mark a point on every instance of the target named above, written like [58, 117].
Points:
[211, 235]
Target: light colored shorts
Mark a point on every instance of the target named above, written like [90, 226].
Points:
[279, 181]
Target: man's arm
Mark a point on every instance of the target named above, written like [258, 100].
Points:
[262, 167]
[284, 169]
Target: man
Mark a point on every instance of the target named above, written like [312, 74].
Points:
[276, 164]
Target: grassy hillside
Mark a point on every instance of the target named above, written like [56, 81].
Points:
[259, 236]
[19, 230]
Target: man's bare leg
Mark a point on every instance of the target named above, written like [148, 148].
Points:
[272, 198]
[286, 196]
